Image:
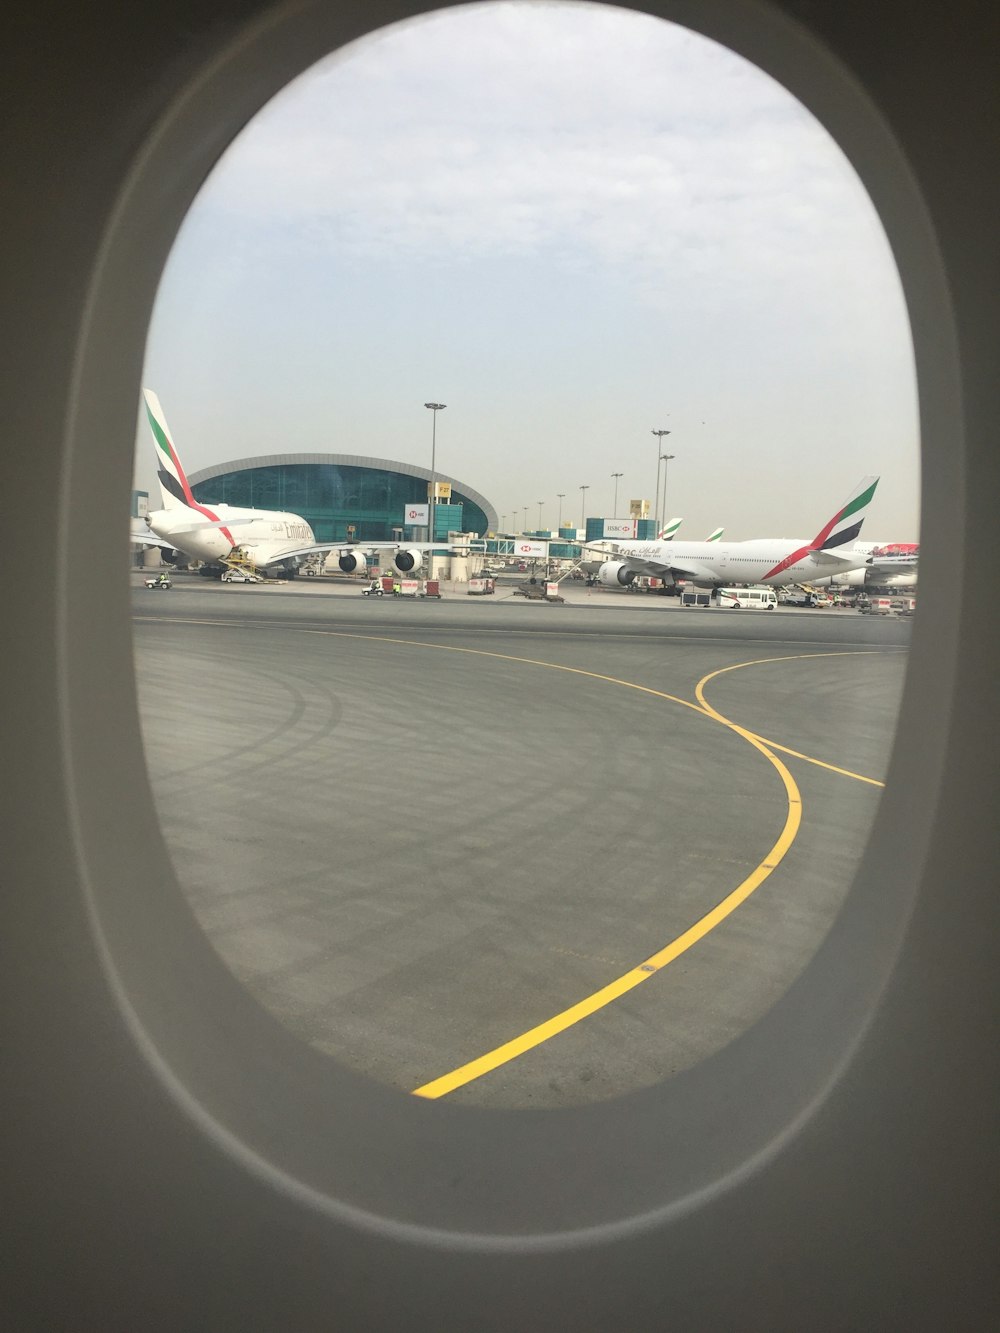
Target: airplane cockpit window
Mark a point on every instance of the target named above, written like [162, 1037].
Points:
[474, 802]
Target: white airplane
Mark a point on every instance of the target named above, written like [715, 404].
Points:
[772, 561]
[224, 534]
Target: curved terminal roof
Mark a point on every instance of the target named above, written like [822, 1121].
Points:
[349, 460]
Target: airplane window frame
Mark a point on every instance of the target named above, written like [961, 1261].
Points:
[360, 1152]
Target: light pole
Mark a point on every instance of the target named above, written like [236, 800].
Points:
[656, 501]
[562, 496]
[435, 409]
[583, 507]
[503, 522]
[525, 528]
[616, 475]
[540, 503]
[665, 459]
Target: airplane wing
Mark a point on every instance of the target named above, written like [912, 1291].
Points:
[313, 548]
[370, 547]
[149, 539]
[833, 562]
[659, 569]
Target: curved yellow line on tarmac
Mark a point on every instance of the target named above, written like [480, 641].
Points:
[535, 1036]
[773, 745]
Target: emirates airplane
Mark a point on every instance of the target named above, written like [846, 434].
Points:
[773, 561]
[222, 534]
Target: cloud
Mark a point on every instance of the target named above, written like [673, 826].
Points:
[505, 130]
[568, 222]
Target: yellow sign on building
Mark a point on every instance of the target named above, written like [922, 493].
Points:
[638, 508]
[442, 490]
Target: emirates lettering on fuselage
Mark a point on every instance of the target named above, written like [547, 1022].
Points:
[269, 536]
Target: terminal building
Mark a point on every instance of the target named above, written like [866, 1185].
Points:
[345, 497]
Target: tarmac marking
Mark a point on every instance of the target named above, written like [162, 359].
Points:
[773, 745]
[543, 1032]
[650, 966]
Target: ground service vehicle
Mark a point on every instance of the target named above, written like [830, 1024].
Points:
[161, 581]
[751, 599]
[240, 576]
[799, 597]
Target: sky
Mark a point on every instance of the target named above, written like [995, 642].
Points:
[573, 225]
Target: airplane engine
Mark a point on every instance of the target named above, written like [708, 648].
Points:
[171, 557]
[615, 574]
[854, 578]
[407, 561]
[351, 561]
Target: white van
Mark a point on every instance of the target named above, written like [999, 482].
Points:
[754, 599]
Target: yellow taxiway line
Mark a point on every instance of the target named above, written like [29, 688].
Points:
[536, 1036]
[628, 981]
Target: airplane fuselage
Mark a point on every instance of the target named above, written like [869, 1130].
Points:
[765, 560]
[265, 535]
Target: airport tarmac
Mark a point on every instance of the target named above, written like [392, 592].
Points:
[516, 855]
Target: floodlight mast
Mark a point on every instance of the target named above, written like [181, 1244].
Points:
[435, 409]
[656, 494]
[663, 507]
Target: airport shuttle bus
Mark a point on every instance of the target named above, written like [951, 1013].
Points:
[756, 599]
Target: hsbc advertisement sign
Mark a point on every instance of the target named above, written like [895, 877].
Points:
[620, 527]
[417, 516]
[530, 550]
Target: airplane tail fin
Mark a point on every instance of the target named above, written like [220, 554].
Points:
[174, 488]
[716, 535]
[845, 525]
[669, 530]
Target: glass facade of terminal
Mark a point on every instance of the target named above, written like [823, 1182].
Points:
[333, 497]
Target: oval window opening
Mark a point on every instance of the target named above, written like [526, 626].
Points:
[521, 625]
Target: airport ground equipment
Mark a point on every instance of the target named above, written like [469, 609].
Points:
[239, 562]
[538, 592]
[694, 597]
[161, 581]
[374, 589]
[240, 575]
[803, 594]
[481, 587]
[431, 588]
